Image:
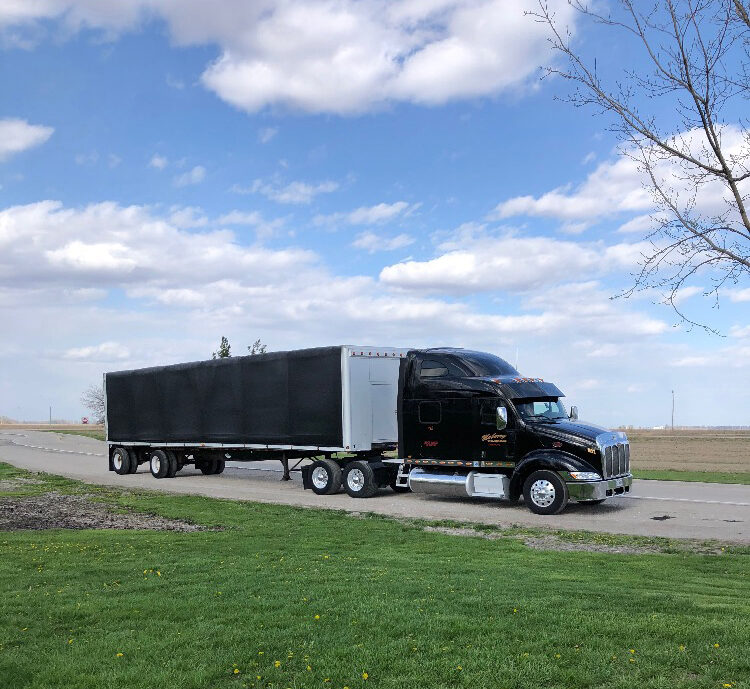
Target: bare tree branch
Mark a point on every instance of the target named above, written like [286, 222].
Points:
[698, 59]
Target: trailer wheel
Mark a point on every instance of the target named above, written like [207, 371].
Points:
[325, 476]
[359, 480]
[159, 464]
[121, 460]
[218, 466]
[172, 463]
[133, 461]
[545, 492]
[206, 466]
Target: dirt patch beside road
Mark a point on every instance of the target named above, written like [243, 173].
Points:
[690, 449]
[59, 511]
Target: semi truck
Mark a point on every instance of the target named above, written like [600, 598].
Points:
[444, 421]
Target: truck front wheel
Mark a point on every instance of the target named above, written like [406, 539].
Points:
[545, 492]
[325, 477]
[359, 480]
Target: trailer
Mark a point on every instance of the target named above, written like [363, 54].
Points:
[444, 421]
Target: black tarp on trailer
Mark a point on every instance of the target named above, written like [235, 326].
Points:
[280, 398]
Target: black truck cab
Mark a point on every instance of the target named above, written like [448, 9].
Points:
[470, 424]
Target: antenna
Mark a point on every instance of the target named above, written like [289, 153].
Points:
[515, 365]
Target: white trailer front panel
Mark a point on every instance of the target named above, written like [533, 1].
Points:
[369, 377]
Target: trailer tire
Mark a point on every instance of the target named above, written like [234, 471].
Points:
[206, 466]
[325, 477]
[121, 460]
[159, 464]
[133, 462]
[359, 480]
[172, 459]
[219, 465]
[544, 492]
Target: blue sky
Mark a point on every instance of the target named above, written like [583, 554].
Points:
[170, 175]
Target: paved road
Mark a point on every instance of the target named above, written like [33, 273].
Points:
[694, 510]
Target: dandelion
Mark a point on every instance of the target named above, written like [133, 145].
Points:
[726, 685]
[158, 573]
[557, 655]
[682, 647]
[119, 655]
[716, 645]
[632, 651]
[260, 653]
[317, 617]
[515, 610]
[365, 675]
[459, 668]
[70, 641]
[236, 671]
[277, 663]
[632, 660]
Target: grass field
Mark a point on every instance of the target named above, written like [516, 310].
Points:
[286, 597]
[89, 433]
[705, 476]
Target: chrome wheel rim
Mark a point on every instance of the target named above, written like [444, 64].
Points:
[356, 480]
[542, 493]
[320, 477]
[117, 461]
[155, 464]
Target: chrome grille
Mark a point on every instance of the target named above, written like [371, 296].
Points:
[616, 459]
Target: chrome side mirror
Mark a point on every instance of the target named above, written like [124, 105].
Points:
[501, 418]
[574, 413]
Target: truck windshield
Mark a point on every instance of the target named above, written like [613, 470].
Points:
[541, 410]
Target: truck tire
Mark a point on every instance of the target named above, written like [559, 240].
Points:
[133, 462]
[359, 480]
[219, 465]
[206, 466]
[325, 477]
[172, 459]
[121, 460]
[544, 492]
[159, 464]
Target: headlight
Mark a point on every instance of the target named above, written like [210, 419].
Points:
[585, 475]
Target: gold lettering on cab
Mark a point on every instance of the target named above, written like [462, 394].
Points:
[493, 438]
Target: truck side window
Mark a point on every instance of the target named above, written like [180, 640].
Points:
[429, 412]
[432, 369]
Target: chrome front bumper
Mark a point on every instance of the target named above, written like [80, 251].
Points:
[599, 490]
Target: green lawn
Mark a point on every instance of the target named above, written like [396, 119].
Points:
[706, 476]
[288, 597]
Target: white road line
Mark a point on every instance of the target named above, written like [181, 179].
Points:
[704, 502]
[55, 449]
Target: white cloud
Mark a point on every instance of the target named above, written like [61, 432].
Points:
[105, 352]
[90, 158]
[738, 295]
[619, 186]
[369, 215]
[369, 241]
[18, 135]
[482, 263]
[158, 162]
[292, 192]
[267, 133]
[194, 176]
[342, 57]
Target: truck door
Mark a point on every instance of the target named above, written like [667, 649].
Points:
[490, 444]
[438, 422]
